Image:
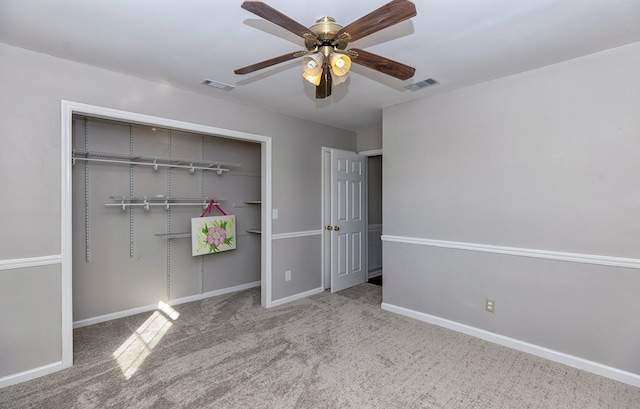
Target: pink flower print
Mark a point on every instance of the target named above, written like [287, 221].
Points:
[216, 235]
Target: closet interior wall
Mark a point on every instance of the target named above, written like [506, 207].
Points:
[124, 259]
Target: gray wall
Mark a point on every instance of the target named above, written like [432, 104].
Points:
[546, 160]
[32, 86]
[30, 302]
[370, 138]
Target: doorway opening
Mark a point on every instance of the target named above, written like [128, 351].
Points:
[374, 219]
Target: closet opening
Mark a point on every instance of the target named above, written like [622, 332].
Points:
[138, 192]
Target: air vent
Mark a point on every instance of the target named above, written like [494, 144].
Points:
[422, 84]
[217, 84]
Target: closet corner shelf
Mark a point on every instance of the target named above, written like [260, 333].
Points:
[154, 161]
[169, 236]
[254, 231]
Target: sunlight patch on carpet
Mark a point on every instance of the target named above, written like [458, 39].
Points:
[132, 353]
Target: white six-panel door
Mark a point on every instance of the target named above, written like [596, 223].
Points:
[348, 218]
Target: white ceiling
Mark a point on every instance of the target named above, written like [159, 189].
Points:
[182, 42]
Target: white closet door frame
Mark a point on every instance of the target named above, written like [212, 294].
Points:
[68, 109]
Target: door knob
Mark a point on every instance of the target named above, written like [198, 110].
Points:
[336, 228]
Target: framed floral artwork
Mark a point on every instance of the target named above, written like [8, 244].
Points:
[212, 234]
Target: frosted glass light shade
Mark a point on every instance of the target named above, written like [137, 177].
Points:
[340, 64]
[339, 79]
[312, 64]
[314, 79]
[312, 68]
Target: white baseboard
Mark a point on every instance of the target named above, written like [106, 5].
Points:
[374, 273]
[296, 297]
[560, 357]
[214, 293]
[153, 307]
[30, 374]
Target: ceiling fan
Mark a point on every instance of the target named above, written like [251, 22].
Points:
[326, 58]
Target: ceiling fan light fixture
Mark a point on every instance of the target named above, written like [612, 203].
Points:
[338, 79]
[314, 79]
[312, 68]
[312, 64]
[340, 64]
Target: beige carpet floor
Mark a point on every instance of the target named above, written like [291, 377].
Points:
[325, 351]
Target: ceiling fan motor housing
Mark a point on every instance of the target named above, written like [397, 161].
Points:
[326, 28]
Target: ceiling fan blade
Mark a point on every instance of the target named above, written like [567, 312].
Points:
[384, 65]
[391, 13]
[270, 14]
[266, 63]
[323, 89]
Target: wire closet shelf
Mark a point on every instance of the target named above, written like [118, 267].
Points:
[153, 161]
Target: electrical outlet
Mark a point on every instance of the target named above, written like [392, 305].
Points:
[287, 275]
[490, 305]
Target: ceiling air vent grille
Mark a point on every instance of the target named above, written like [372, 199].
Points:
[422, 84]
[217, 84]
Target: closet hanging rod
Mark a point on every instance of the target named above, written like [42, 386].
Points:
[78, 153]
[146, 205]
[163, 198]
[155, 165]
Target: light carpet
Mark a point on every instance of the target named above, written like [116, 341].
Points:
[326, 351]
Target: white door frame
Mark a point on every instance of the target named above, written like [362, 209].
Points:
[68, 109]
[326, 217]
